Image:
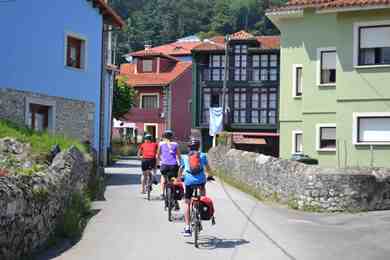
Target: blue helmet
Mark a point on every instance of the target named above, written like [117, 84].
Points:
[148, 136]
[168, 134]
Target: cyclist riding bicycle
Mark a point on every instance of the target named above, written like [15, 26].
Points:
[193, 171]
[168, 156]
[147, 152]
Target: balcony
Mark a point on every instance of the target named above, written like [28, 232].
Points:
[236, 75]
[142, 115]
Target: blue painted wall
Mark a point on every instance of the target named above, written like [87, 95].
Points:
[33, 48]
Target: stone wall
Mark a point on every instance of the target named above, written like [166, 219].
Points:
[30, 206]
[305, 186]
[72, 118]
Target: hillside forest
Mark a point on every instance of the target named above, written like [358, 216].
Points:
[161, 21]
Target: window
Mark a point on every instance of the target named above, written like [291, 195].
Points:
[217, 67]
[372, 128]
[265, 67]
[297, 146]
[239, 105]
[147, 65]
[75, 52]
[264, 105]
[327, 67]
[326, 137]
[211, 98]
[374, 45]
[240, 62]
[297, 80]
[149, 101]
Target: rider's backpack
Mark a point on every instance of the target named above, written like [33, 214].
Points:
[206, 208]
[195, 162]
[178, 190]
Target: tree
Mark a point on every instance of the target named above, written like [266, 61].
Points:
[224, 19]
[123, 98]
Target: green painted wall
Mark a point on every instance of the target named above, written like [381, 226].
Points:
[301, 37]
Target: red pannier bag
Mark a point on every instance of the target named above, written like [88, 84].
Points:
[206, 208]
[178, 190]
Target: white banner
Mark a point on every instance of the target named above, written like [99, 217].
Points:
[216, 120]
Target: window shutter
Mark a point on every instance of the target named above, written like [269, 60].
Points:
[328, 133]
[329, 60]
[375, 37]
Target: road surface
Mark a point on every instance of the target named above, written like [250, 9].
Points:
[128, 227]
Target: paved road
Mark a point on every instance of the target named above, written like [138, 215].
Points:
[129, 227]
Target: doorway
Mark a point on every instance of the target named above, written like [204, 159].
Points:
[151, 129]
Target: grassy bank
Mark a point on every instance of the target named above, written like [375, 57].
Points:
[41, 142]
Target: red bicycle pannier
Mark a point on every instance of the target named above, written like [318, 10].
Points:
[178, 190]
[206, 208]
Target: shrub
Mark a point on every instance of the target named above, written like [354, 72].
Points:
[75, 216]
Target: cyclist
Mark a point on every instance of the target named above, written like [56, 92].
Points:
[147, 152]
[168, 157]
[193, 177]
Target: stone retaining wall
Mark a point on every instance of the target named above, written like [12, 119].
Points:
[30, 206]
[305, 186]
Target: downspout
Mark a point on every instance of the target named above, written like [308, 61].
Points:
[101, 105]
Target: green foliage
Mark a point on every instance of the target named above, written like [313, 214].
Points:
[123, 98]
[31, 171]
[41, 142]
[40, 193]
[163, 21]
[75, 217]
[124, 149]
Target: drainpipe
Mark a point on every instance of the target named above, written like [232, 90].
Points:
[101, 105]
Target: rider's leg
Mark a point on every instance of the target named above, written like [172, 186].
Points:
[187, 212]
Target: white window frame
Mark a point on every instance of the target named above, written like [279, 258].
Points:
[355, 126]
[356, 27]
[319, 53]
[294, 80]
[151, 124]
[83, 54]
[40, 101]
[149, 94]
[294, 134]
[318, 135]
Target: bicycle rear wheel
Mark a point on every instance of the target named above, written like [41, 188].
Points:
[170, 203]
[149, 185]
[196, 225]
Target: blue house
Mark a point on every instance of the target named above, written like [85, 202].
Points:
[56, 67]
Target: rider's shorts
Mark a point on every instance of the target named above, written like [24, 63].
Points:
[169, 171]
[190, 190]
[148, 164]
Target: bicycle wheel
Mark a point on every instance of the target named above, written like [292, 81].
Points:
[149, 185]
[196, 225]
[170, 203]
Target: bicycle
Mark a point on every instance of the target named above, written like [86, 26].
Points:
[169, 200]
[195, 213]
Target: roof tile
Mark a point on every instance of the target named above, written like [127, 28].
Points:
[153, 79]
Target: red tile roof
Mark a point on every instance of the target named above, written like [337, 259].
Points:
[217, 43]
[242, 35]
[153, 79]
[108, 13]
[172, 49]
[151, 53]
[328, 4]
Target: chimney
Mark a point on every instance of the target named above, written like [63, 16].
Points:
[147, 45]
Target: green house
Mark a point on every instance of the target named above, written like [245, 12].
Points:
[335, 81]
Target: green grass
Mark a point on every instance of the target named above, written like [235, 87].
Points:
[41, 142]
